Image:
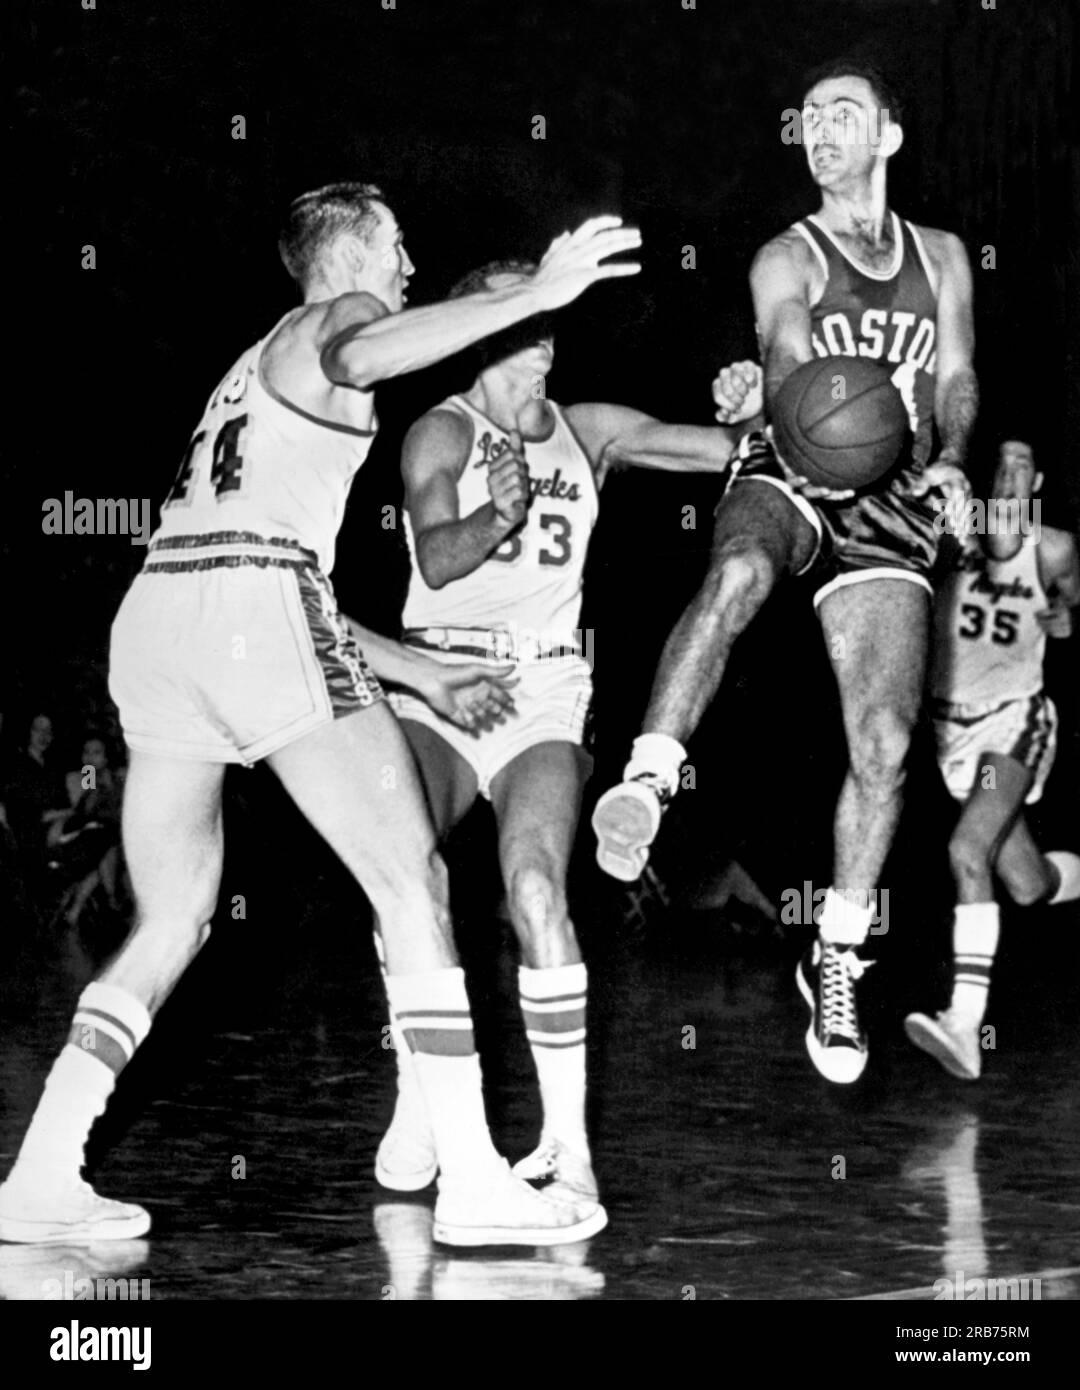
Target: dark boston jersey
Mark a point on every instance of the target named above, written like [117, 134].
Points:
[889, 316]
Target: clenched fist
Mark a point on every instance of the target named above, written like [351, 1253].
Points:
[508, 482]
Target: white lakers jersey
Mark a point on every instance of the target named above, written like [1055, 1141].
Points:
[988, 648]
[258, 466]
[531, 583]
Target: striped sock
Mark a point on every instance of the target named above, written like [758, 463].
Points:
[553, 1006]
[432, 1010]
[410, 1099]
[976, 928]
[108, 1026]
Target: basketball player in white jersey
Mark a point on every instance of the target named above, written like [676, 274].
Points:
[996, 738]
[229, 648]
[854, 279]
[501, 491]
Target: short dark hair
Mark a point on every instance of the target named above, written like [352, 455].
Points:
[519, 335]
[316, 218]
[887, 96]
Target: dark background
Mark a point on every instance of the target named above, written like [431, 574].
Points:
[122, 138]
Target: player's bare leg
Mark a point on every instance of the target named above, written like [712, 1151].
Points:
[758, 537]
[172, 840]
[357, 783]
[991, 837]
[537, 802]
[876, 634]
[406, 1160]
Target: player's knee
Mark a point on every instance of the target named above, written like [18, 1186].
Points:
[741, 570]
[537, 900]
[1025, 889]
[739, 580]
[879, 747]
[969, 858]
[408, 883]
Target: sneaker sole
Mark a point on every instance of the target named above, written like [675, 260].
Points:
[818, 1054]
[72, 1233]
[405, 1182]
[624, 829]
[520, 1235]
[924, 1033]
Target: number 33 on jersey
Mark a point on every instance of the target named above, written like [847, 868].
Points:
[533, 579]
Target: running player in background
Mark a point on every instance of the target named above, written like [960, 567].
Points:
[853, 279]
[996, 737]
[229, 648]
[501, 492]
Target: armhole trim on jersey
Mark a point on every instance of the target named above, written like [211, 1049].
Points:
[882, 275]
[808, 237]
[276, 395]
[453, 406]
[560, 415]
[923, 257]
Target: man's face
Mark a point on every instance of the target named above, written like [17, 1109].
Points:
[387, 268]
[41, 733]
[529, 345]
[1015, 475]
[844, 130]
[93, 754]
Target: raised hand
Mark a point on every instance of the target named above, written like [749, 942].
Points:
[739, 393]
[508, 482]
[1056, 620]
[573, 261]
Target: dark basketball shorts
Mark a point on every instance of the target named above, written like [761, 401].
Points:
[230, 646]
[756, 461]
[879, 535]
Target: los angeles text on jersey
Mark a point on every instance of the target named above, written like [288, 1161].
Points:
[556, 486]
[73, 1343]
[883, 334]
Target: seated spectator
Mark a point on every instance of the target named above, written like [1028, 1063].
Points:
[33, 796]
[84, 840]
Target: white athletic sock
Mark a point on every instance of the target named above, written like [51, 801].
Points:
[108, 1026]
[656, 755]
[432, 1010]
[843, 919]
[976, 929]
[410, 1105]
[1068, 866]
[553, 1006]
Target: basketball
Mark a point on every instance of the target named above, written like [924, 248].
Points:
[839, 421]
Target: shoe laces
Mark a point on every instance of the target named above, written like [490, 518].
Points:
[661, 790]
[840, 969]
[546, 1157]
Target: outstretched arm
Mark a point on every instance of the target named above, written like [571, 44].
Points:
[361, 343]
[615, 436]
[473, 695]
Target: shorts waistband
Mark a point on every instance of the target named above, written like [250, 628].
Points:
[226, 550]
[972, 713]
[491, 644]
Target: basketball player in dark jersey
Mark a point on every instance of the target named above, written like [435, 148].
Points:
[854, 279]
